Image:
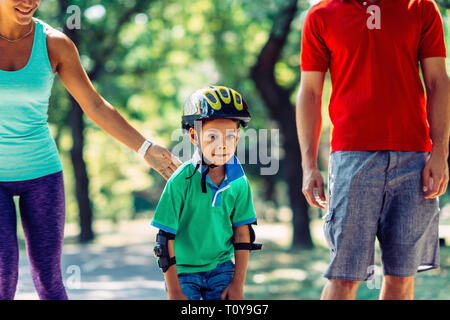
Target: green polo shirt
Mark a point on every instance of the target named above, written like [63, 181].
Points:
[203, 222]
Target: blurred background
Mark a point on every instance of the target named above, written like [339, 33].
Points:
[145, 57]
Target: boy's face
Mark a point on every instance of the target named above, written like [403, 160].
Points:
[218, 140]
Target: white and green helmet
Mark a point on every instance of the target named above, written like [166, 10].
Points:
[215, 102]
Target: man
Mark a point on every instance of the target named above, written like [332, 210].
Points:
[389, 145]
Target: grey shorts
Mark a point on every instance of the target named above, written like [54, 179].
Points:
[378, 194]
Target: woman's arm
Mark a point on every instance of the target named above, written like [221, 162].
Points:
[66, 61]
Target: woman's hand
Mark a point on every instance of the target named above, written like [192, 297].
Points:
[160, 159]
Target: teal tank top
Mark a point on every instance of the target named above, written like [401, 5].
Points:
[27, 149]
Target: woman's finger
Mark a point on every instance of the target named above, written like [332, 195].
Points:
[173, 159]
[169, 171]
[176, 162]
[173, 167]
[164, 174]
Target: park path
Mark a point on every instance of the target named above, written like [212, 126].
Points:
[119, 265]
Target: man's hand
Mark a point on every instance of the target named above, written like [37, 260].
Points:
[435, 175]
[312, 180]
[160, 159]
[177, 295]
[234, 291]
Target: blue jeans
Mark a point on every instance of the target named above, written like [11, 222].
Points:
[378, 194]
[207, 285]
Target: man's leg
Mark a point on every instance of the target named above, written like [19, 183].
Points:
[397, 288]
[408, 232]
[340, 290]
[356, 193]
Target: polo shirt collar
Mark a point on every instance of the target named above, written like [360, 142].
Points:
[233, 168]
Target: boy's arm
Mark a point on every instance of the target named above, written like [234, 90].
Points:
[173, 285]
[235, 291]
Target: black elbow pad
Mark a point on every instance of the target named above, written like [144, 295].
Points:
[161, 250]
[250, 245]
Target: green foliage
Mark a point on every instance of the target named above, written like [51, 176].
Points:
[159, 55]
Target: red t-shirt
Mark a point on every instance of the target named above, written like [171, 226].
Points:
[377, 101]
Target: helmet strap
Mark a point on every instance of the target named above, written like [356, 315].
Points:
[208, 166]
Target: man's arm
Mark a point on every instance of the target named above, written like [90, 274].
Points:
[435, 174]
[309, 126]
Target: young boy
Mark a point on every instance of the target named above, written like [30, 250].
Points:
[206, 209]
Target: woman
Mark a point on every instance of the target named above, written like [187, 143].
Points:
[31, 54]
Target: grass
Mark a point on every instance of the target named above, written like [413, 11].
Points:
[297, 275]
[277, 273]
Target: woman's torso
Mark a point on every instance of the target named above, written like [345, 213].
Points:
[27, 149]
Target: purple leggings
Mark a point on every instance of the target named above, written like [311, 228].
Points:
[42, 210]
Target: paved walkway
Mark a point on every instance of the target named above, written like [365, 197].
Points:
[120, 265]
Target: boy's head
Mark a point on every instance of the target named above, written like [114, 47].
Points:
[217, 139]
[212, 116]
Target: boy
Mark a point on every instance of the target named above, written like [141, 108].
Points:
[206, 209]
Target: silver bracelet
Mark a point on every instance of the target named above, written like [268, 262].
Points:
[144, 148]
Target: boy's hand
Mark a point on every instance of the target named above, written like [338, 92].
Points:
[234, 291]
[177, 295]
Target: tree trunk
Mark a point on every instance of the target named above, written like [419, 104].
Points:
[282, 110]
[80, 173]
[79, 166]
[76, 118]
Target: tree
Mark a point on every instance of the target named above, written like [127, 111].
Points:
[281, 108]
[444, 3]
[106, 40]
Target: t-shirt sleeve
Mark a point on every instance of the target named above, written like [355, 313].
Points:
[432, 43]
[244, 213]
[314, 54]
[169, 207]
